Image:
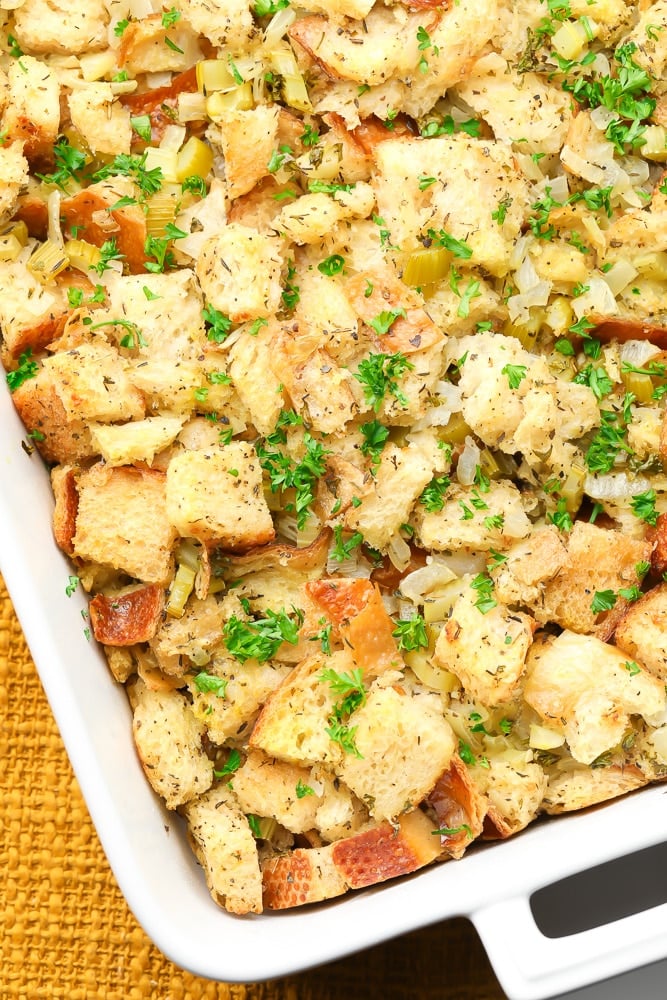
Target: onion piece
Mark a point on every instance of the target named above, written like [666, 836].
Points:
[614, 486]
[469, 459]
[53, 207]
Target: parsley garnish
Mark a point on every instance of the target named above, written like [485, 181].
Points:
[515, 374]
[170, 17]
[411, 633]
[604, 600]
[350, 689]
[441, 238]
[141, 124]
[483, 584]
[596, 378]
[285, 474]
[260, 639]
[303, 790]
[561, 517]
[210, 684]
[265, 8]
[643, 506]
[433, 495]
[108, 251]
[342, 549]
[383, 322]
[27, 368]
[148, 181]
[331, 265]
[219, 325]
[377, 375]
[375, 437]
[72, 584]
[233, 764]
[69, 162]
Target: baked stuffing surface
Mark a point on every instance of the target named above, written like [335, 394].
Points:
[342, 328]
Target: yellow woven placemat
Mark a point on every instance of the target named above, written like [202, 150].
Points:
[66, 932]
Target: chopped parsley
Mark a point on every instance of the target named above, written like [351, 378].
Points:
[303, 790]
[604, 600]
[383, 322]
[260, 639]
[27, 369]
[375, 437]
[433, 495]
[643, 506]
[483, 584]
[210, 684]
[219, 325]
[233, 764]
[377, 375]
[596, 378]
[411, 633]
[285, 474]
[350, 690]
[331, 265]
[343, 548]
[515, 374]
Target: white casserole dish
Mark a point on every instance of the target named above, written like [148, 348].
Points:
[164, 887]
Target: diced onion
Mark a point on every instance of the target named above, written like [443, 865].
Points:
[619, 276]
[638, 352]
[614, 486]
[277, 27]
[191, 107]
[658, 739]
[53, 208]
[598, 299]
[157, 80]
[468, 462]
[427, 580]
[429, 674]
[174, 137]
[399, 552]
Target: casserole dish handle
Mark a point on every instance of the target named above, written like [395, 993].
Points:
[531, 966]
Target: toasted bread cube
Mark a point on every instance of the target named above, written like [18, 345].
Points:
[312, 216]
[516, 104]
[327, 403]
[31, 313]
[382, 852]
[65, 26]
[224, 22]
[597, 560]
[101, 119]
[247, 140]
[66, 496]
[216, 495]
[139, 441]
[33, 109]
[454, 528]
[255, 381]
[399, 479]
[528, 565]
[40, 408]
[127, 617]
[514, 793]
[144, 49]
[199, 628]
[91, 382]
[13, 176]
[293, 724]
[642, 633]
[590, 689]
[486, 650]
[459, 807]
[170, 318]
[169, 743]
[473, 176]
[573, 790]
[225, 847]
[122, 522]
[404, 745]
[248, 687]
[94, 204]
[239, 272]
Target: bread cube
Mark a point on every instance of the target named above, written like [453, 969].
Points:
[239, 272]
[225, 847]
[169, 743]
[122, 522]
[216, 495]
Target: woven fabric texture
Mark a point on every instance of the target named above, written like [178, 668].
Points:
[66, 932]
